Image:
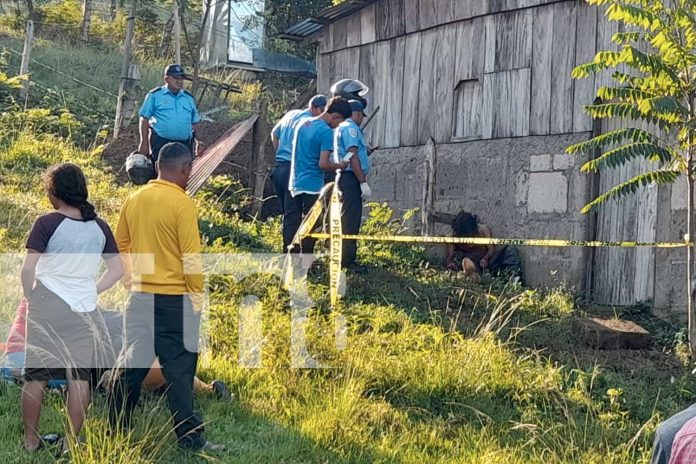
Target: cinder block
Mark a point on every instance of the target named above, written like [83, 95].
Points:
[548, 193]
[563, 162]
[540, 163]
[679, 194]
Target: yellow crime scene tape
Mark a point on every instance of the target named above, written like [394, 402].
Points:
[336, 238]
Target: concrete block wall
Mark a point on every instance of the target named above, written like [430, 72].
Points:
[670, 264]
[521, 187]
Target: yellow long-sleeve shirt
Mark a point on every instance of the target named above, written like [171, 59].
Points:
[160, 222]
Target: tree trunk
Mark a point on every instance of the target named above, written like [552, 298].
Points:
[113, 9]
[197, 58]
[86, 19]
[30, 8]
[166, 38]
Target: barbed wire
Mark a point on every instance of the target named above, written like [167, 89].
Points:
[81, 82]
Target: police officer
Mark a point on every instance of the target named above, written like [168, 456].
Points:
[351, 146]
[168, 114]
[282, 138]
[311, 156]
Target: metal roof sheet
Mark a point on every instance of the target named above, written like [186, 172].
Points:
[311, 26]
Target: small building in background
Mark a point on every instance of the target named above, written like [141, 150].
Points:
[489, 82]
[234, 38]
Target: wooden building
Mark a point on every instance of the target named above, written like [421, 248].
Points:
[489, 81]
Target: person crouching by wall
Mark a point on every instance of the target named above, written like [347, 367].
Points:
[65, 250]
[476, 259]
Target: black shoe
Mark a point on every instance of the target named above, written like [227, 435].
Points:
[221, 390]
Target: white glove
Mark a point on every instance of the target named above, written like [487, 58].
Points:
[366, 191]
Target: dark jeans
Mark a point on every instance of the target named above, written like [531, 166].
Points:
[295, 210]
[351, 214]
[169, 334]
[280, 176]
[157, 142]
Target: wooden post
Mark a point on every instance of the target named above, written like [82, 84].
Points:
[26, 55]
[429, 164]
[113, 9]
[177, 33]
[86, 19]
[258, 159]
[207, 4]
[124, 86]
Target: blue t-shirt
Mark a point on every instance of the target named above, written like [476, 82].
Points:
[170, 116]
[312, 137]
[349, 135]
[284, 131]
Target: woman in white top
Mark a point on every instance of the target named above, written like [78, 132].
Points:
[65, 250]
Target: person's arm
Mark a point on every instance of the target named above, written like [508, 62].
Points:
[144, 146]
[275, 136]
[28, 272]
[493, 250]
[146, 112]
[449, 260]
[114, 272]
[356, 167]
[190, 249]
[325, 163]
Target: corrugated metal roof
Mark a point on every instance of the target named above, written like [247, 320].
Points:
[311, 26]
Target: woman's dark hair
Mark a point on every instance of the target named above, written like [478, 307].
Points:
[66, 182]
[465, 225]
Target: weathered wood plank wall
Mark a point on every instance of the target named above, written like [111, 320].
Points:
[460, 70]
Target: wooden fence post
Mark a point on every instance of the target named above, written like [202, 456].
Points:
[26, 56]
[430, 165]
[126, 82]
[258, 163]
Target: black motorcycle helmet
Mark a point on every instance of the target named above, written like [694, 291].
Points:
[350, 89]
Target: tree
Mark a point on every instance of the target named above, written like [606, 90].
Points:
[654, 81]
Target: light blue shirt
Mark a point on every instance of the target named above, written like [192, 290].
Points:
[170, 116]
[312, 137]
[284, 131]
[349, 135]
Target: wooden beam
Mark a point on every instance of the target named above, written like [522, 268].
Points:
[429, 165]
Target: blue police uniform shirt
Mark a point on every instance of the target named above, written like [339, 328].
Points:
[171, 116]
[312, 137]
[284, 131]
[349, 135]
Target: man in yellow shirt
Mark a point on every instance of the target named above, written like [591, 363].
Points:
[158, 236]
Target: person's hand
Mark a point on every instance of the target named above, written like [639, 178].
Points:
[452, 266]
[344, 164]
[484, 263]
[366, 191]
[143, 149]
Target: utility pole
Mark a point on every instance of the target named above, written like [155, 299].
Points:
[126, 80]
[26, 56]
[177, 33]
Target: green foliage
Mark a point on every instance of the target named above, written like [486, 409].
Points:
[654, 84]
[381, 221]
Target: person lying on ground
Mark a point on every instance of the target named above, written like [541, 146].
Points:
[476, 259]
[154, 382]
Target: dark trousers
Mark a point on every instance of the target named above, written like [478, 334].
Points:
[169, 334]
[351, 214]
[157, 142]
[280, 176]
[295, 210]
